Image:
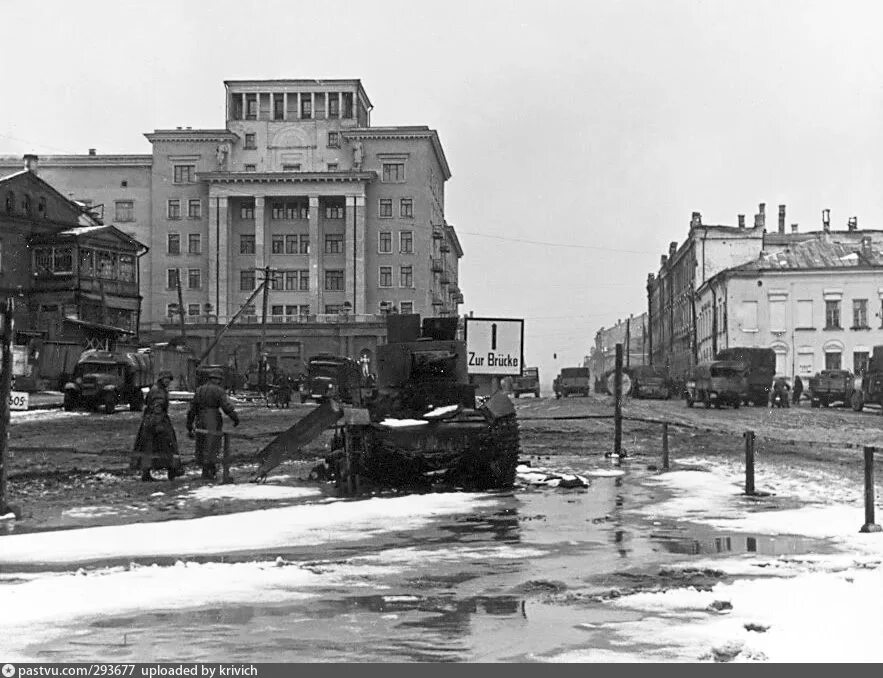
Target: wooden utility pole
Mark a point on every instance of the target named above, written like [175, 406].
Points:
[5, 388]
[180, 303]
[262, 363]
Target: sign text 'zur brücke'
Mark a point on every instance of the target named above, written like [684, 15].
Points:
[495, 346]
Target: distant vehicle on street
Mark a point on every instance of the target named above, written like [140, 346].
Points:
[760, 364]
[868, 386]
[528, 382]
[572, 381]
[102, 379]
[331, 376]
[721, 382]
[648, 381]
[831, 386]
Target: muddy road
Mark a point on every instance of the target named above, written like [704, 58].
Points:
[525, 574]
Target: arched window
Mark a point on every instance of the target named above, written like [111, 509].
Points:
[41, 207]
[10, 202]
[26, 204]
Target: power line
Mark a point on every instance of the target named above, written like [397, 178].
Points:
[555, 244]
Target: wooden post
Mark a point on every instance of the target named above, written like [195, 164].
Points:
[262, 366]
[225, 461]
[665, 446]
[870, 525]
[617, 403]
[749, 463]
[5, 388]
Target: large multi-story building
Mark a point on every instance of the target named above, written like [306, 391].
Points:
[347, 220]
[729, 286]
[631, 333]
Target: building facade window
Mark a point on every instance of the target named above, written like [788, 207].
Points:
[172, 310]
[291, 168]
[194, 209]
[279, 107]
[334, 243]
[174, 209]
[251, 168]
[832, 317]
[384, 209]
[749, 316]
[174, 243]
[384, 278]
[332, 166]
[277, 210]
[251, 107]
[334, 212]
[192, 309]
[303, 244]
[833, 360]
[333, 139]
[306, 107]
[277, 280]
[246, 210]
[407, 307]
[246, 281]
[860, 362]
[777, 315]
[393, 172]
[384, 242]
[290, 244]
[333, 105]
[860, 314]
[406, 242]
[185, 174]
[250, 141]
[804, 314]
[171, 278]
[194, 243]
[246, 244]
[194, 278]
[406, 207]
[406, 276]
[334, 280]
[277, 244]
[124, 210]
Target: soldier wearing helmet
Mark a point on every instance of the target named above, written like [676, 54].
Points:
[156, 445]
[208, 402]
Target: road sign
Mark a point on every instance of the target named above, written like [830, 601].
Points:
[18, 400]
[626, 383]
[495, 346]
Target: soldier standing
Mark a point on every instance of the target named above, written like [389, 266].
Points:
[156, 445]
[205, 410]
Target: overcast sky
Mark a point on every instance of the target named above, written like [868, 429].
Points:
[581, 135]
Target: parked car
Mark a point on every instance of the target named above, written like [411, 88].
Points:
[721, 382]
[830, 386]
[572, 381]
[331, 376]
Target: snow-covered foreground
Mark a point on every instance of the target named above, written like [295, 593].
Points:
[814, 608]
[276, 528]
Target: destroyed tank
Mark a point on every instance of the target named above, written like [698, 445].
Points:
[422, 425]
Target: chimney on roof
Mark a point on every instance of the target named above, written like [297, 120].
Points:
[741, 221]
[794, 228]
[866, 246]
[672, 248]
[696, 220]
[852, 224]
[760, 217]
[32, 162]
[781, 218]
[663, 260]
[826, 220]
[91, 151]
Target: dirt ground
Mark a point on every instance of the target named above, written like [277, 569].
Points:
[62, 463]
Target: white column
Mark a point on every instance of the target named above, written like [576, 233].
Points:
[260, 255]
[297, 105]
[315, 272]
[327, 105]
[218, 254]
[285, 105]
[312, 106]
[361, 300]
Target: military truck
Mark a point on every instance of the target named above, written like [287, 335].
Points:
[868, 386]
[528, 382]
[760, 364]
[572, 381]
[104, 379]
[718, 382]
[332, 376]
[648, 381]
[830, 386]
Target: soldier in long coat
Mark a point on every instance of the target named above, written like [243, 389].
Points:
[208, 402]
[156, 445]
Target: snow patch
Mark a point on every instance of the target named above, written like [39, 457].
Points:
[90, 512]
[251, 491]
